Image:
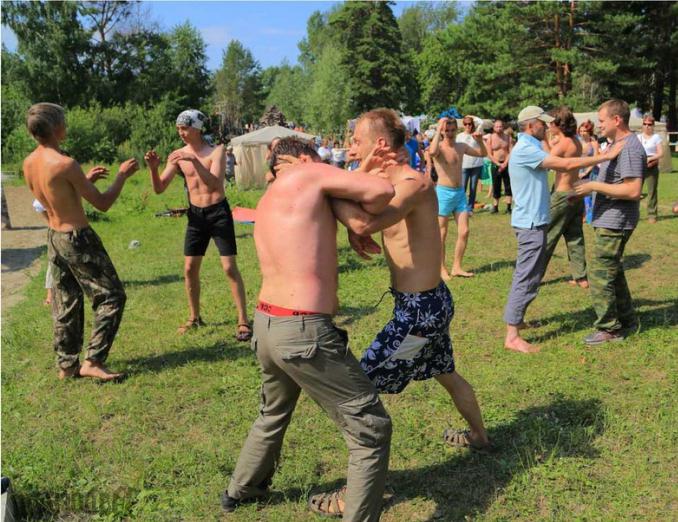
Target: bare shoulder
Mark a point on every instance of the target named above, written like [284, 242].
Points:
[412, 181]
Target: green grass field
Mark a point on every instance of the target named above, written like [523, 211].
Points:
[582, 433]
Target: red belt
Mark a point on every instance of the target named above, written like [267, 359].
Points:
[279, 311]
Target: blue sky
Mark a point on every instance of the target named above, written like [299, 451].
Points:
[271, 30]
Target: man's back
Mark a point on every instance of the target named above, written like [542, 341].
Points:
[46, 173]
[295, 237]
[412, 246]
[566, 147]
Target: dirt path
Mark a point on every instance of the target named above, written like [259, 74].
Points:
[22, 246]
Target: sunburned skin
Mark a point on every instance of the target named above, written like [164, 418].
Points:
[565, 147]
[295, 232]
[48, 174]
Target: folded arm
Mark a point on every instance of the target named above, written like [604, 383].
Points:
[358, 220]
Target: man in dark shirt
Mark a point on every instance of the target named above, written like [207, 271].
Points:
[616, 210]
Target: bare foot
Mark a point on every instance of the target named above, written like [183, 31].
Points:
[583, 283]
[518, 344]
[461, 273]
[68, 373]
[96, 370]
[445, 275]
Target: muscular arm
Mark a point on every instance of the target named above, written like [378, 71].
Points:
[100, 200]
[629, 188]
[371, 191]
[363, 223]
[434, 147]
[556, 163]
[161, 182]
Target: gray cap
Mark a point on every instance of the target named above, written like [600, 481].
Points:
[532, 112]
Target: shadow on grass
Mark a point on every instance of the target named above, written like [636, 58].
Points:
[218, 351]
[635, 260]
[651, 314]
[160, 280]
[14, 259]
[467, 484]
[494, 266]
[347, 315]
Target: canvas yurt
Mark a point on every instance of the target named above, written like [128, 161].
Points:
[250, 154]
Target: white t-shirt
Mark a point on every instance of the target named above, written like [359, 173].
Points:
[650, 144]
[338, 155]
[469, 162]
[324, 153]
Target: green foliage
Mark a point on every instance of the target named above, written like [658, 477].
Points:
[328, 101]
[286, 92]
[189, 76]
[371, 54]
[153, 128]
[17, 145]
[237, 84]
[53, 46]
[88, 137]
[14, 106]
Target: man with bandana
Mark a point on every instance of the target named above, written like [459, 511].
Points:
[209, 216]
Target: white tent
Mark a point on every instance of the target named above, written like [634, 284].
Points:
[250, 153]
[636, 125]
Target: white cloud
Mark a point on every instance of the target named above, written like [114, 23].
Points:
[217, 35]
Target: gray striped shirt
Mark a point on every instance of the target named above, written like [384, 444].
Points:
[620, 214]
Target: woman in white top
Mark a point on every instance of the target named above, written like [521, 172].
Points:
[654, 149]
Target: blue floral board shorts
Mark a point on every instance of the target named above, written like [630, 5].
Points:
[415, 344]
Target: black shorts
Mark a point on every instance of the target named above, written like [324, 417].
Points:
[497, 179]
[215, 221]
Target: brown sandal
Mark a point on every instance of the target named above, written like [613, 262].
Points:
[327, 504]
[244, 336]
[462, 439]
[191, 324]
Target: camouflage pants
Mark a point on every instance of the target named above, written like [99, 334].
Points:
[609, 291]
[80, 264]
[566, 220]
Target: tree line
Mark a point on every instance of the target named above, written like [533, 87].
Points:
[124, 79]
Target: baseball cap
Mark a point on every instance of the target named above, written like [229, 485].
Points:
[192, 118]
[532, 112]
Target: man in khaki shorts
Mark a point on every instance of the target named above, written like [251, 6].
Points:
[297, 344]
